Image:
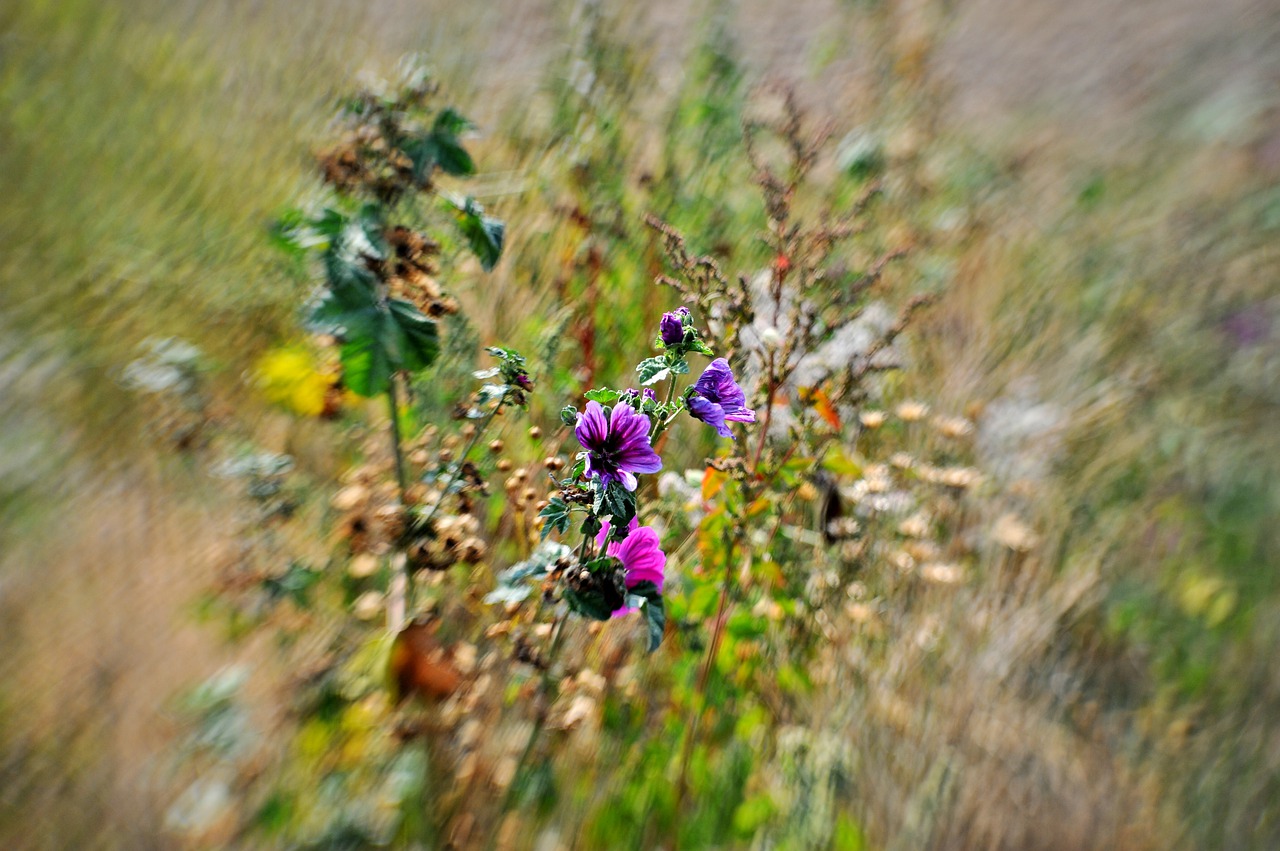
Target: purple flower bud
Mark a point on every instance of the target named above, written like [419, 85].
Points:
[672, 330]
[672, 326]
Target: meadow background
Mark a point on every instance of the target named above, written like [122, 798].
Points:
[1090, 188]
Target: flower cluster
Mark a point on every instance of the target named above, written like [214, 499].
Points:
[619, 566]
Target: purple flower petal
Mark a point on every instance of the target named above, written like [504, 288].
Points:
[717, 398]
[641, 555]
[710, 413]
[617, 446]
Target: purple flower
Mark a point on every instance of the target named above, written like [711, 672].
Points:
[672, 326]
[617, 447]
[641, 555]
[716, 397]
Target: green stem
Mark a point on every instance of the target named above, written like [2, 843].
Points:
[402, 479]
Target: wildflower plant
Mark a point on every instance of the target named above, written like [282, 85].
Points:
[618, 565]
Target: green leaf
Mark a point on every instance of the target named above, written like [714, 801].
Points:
[653, 370]
[450, 155]
[591, 526]
[440, 148]
[697, 345]
[491, 393]
[377, 339]
[603, 395]
[484, 234]
[589, 603]
[522, 574]
[417, 337]
[557, 514]
[620, 504]
[647, 597]
[680, 367]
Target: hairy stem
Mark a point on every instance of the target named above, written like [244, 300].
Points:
[400, 598]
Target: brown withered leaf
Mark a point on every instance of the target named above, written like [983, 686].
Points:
[420, 665]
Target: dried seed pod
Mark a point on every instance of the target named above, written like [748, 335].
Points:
[535, 433]
[504, 464]
[495, 446]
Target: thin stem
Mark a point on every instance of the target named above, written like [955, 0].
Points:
[768, 415]
[539, 723]
[700, 690]
[393, 402]
[457, 470]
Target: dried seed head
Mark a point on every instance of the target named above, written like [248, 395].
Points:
[495, 446]
[553, 462]
[504, 465]
[535, 433]
[445, 455]
[911, 412]
[872, 419]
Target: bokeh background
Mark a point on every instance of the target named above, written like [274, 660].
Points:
[1092, 187]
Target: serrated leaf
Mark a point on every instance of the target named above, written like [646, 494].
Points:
[416, 337]
[557, 517]
[653, 370]
[590, 604]
[620, 504]
[377, 339]
[702, 349]
[533, 569]
[440, 148]
[680, 367]
[651, 606]
[450, 155]
[603, 395]
[484, 234]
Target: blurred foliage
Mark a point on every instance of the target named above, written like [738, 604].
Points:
[1088, 623]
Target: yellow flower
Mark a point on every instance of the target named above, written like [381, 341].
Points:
[288, 377]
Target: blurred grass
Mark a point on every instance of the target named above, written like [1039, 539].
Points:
[146, 147]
